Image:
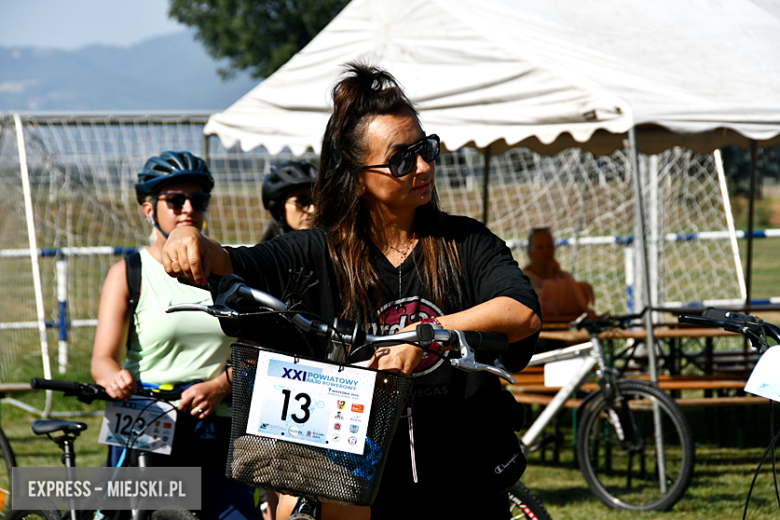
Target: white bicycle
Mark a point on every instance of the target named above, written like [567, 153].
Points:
[623, 461]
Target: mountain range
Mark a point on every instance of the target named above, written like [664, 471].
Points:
[170, 73]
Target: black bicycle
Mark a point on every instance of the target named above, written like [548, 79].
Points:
[64, 433]
[758, 332]
[231, 291]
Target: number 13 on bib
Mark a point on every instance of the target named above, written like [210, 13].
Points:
[309, 402]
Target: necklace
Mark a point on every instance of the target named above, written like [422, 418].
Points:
[403, 251]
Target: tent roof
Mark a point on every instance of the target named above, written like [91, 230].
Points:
[546, 75]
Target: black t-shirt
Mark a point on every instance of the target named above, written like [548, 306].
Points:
[444, 397]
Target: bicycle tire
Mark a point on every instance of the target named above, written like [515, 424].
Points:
[173, 514]
[524, 505]
[7, 462]
[619, 474]
[32, 514]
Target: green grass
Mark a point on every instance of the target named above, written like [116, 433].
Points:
[722, 475]
[766, 266]
[719, 489]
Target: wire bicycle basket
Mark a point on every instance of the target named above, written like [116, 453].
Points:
[322, 473]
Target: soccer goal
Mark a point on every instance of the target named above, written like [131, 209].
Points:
[82, 168]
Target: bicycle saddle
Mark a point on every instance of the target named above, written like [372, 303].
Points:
[43, 426]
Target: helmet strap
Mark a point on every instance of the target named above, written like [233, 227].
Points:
[154, 219]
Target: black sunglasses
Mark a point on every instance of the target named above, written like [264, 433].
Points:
[403, 163]
[176, 200]
[302, 201]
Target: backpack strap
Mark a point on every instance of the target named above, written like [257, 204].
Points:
[133, 268]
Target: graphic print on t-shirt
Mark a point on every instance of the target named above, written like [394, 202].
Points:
[400, 313]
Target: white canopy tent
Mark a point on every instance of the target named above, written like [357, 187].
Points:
[544, 75]
[550, 75]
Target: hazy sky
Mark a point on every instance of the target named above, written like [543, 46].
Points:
[70, 24]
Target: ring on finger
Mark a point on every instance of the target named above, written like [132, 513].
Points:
[174, 260]
[199, 410]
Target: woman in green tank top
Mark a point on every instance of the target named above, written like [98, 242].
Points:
[173, 192]
[137, 343]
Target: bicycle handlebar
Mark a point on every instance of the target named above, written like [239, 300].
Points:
[602, 323]
[88, 392]
[752, 327]
[230, 289]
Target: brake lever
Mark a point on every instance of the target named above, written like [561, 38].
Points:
[221, 307]
[219, 311]
[468, 362]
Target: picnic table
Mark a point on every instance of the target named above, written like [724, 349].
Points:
[688, 361]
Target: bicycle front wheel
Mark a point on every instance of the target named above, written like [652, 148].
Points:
[7, 461]
[32, 514]
[617, 454]
[523, 505]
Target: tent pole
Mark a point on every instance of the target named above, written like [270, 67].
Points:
[485, 194]
[640, 247]
[639, 242]
[751, 213]
[206, 148]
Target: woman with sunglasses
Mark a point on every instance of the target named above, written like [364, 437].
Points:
[387, 257]
[151, 348]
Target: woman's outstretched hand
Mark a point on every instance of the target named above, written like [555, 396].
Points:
[186, 253]
[399, 358]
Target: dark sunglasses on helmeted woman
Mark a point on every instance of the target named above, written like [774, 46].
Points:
[176, 200]
[403, 163]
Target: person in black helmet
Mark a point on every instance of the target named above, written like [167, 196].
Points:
[138, 345]
[287, 194]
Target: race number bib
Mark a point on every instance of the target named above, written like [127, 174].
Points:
[312, 403]
[155, 420]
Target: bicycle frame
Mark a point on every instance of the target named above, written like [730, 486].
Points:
[594, 357]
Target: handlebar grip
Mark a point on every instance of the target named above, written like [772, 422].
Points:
[211, 285]
[39, 383]
[719, 314]
[492, 341]
[699, 320]
[186, 281]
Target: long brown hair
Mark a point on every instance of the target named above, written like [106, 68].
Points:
[364, 93]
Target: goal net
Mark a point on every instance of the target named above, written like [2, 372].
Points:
[82, 170]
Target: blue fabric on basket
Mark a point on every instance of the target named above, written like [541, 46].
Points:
[362, 466]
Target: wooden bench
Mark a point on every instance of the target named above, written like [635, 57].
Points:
[530, 389]
[580, 336]
[707, 360]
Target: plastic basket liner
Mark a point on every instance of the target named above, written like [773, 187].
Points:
[302, 470]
